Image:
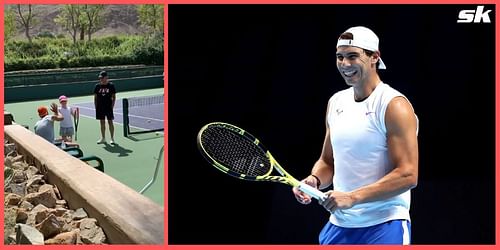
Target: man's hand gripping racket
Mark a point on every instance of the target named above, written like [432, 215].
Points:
[237, 153]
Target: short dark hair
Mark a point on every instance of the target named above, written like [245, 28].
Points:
[103, 74]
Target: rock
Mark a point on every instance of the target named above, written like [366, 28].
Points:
[59, 211]
[37, 214]
[20, 165]
[79, 214]
[34, 183]
[9, 218]
[9, 148]
[47, 198]
[26, 205]
[90, 233]
[39, 210]
[28, 235]
[49, 227]
[19, 176]
[61, 203]
[13, 199]
[56, 191]
[22, 215]
[49, 187]
[65, 238]
[17, 158]
[78, 237]
[67, 226]
[31, 171]
[8, 161]
[16, 188]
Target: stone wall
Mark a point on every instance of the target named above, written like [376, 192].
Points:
[36, 213]
[125, 216]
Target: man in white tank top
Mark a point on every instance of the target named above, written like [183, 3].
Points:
[370, 152]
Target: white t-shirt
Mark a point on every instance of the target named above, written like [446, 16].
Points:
[359, 143]
[45, 128]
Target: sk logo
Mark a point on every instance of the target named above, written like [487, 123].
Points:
[339, 111]
[477, 16]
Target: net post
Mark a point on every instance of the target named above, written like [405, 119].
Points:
[125, 117]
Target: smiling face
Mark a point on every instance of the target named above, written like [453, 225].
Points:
[355, 65]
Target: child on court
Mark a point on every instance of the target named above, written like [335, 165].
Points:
[66, 130]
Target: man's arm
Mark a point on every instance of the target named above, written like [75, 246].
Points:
[113, 98]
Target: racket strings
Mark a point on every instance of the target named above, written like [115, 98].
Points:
[236, 152]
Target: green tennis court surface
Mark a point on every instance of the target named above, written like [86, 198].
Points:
[131, 161]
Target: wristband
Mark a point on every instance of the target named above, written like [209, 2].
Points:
[318, 182]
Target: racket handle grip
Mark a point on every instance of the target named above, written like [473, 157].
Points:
[313, 192]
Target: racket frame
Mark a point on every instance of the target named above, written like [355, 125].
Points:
[76, 120]
[285, 177]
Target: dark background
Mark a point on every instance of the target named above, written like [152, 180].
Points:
[270, 69]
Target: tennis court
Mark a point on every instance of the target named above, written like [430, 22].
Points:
[132, 160]
[145, 113]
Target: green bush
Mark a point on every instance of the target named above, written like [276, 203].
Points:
[149, 52]
[48, 52]
[45, 34]
[31, 63]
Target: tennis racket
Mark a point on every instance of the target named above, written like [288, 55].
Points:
[76, 120]
[237, 153]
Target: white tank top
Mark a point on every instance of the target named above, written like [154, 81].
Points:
[359, 142]
[66, 113]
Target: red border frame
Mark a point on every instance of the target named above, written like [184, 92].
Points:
[274, 247]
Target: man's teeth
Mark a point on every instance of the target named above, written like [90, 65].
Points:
[349, 73]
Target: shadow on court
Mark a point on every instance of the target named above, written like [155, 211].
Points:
[122, 152]
[144, 137]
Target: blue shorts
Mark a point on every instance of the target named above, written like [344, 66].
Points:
[394, 232]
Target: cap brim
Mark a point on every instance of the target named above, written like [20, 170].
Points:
[381, 64]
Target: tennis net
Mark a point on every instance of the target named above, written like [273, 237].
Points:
[142, 114]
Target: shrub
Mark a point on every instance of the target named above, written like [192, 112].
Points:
[46, 52]
[45, 34]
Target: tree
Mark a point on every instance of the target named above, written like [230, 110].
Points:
[93, 18]
[151, 16]
[71, 19]
[26, 19]
[9, 23]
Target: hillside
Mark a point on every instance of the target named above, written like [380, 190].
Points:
[119, 19]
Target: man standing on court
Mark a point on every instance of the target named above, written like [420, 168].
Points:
[104, 102]
[370, 151]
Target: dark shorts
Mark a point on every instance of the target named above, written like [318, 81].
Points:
[100, 114]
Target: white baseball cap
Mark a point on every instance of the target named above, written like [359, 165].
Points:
[364, 38]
